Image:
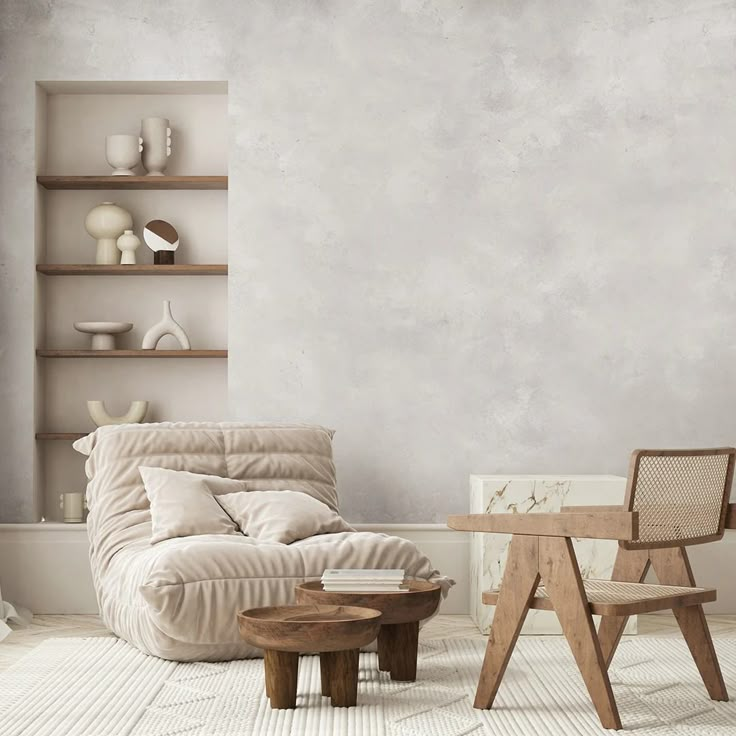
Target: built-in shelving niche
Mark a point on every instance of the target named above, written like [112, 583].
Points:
[72, 120]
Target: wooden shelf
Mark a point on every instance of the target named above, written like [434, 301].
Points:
[87, 269]
[68, 436]
[131, 353]
[133, 182]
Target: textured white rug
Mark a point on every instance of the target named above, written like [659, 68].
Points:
[104, 687]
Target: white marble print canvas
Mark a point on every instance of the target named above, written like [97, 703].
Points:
[525, 494]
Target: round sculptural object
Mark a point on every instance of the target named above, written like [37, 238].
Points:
[106, 223]
[123, 153]
[161, 237]
[136, 413]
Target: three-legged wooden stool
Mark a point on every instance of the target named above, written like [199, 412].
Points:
[336, 632]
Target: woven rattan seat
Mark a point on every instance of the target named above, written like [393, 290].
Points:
[608, 598]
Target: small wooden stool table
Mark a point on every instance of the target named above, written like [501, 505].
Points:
[336, 632]
[402, 611]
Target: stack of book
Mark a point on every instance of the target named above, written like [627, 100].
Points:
[363, 581]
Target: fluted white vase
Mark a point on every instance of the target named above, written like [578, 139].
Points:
[156, 135]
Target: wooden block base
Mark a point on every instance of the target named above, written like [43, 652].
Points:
[281, 670]
[163, 258]
[339, 675]
[397, 650]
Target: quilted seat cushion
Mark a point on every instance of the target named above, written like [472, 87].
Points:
[216, 576]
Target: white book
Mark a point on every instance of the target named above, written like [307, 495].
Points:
[363, 581]
[331, 588]
[337, 574]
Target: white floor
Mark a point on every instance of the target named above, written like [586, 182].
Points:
[657, 686]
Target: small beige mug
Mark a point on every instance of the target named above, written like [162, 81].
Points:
[73, 505]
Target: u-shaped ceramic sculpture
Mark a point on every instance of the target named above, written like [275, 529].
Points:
[167, 326]
[100, 416]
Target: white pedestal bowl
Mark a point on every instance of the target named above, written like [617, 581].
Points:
[103, 333]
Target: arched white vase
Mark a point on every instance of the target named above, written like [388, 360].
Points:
[100, 416]
[167, 326]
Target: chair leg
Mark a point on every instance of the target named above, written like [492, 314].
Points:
[562, 581]
[697, 635]
[610, 631]
[673, 568]
[520, 580]
[630, 567]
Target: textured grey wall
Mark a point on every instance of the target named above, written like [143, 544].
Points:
[472, 237]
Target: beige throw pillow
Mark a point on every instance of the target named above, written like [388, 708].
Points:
[281, 516]
[183, 504]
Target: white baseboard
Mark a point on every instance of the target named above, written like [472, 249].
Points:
[45, 567]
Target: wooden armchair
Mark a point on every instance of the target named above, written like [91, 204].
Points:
[674, 498]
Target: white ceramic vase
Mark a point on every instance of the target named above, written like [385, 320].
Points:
[127, 244]
[167, 326]
[123, 153]
[156, 135]
[106, 223]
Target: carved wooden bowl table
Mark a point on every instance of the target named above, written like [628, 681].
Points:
[402, 611]
[337, 632]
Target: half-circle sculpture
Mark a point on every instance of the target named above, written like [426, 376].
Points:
[101, 417]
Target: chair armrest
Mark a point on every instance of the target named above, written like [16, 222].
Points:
[591, 509]
[731, 516]
[607, 525]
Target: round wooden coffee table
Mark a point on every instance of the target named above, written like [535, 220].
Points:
[402, 611]
[337, 632]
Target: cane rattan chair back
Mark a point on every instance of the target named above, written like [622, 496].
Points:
[681, 496]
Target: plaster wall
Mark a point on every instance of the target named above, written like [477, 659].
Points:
[477, 237]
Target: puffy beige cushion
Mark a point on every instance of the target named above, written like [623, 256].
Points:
[182, 504]
[281, 516]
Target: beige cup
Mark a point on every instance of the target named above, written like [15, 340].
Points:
[123, 153]
[73, 505]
